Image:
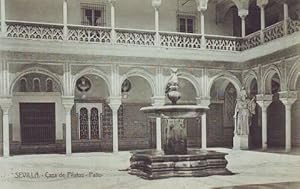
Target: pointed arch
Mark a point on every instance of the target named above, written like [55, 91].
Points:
[225, 75]
[294, 75]
[250, 75]
[268, 75]
[92, 71]
[39, 70]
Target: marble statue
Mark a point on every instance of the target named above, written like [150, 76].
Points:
[244, 110]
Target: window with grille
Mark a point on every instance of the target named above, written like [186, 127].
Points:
[186, 24]
[93, 14]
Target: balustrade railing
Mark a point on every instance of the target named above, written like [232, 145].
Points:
[252, 40]
[89, 34]
[135, 37]
[274, 31]
[182, 40]
[33, 30]
[293, 26]
[95, 34]
[225, 43]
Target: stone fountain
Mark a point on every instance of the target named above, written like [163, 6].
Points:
[176, 160]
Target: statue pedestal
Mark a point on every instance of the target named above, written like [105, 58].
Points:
[241, 142]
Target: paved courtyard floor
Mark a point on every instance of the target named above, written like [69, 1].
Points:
[106, 171]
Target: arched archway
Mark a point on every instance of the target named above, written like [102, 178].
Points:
[220, 121]
[91, 117]
[255, 134]
[136, 130]
[276, 115]
[38, 112]
[296, 117]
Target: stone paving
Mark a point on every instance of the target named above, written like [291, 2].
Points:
[107, 171]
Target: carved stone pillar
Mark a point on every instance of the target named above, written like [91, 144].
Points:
[285, 17]
[3, 18]
[203, 101]
[68, 102]
[65, 19]
[158, 101]
[264, 101]
[114, 104]
[243, 13]
[288, 98]
[261, 4]
[156, 4]
[202, 7]
[5, 104]
[113, 20]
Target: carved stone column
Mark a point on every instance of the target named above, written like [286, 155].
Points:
[264, 101]
[202, 7]
[156, 4]
[68, 102]
[113, 20]
[5, 104]
[65, 19]
[285, 17]
[158, 101]
[288, 98]
[203, 101]
[3, 18]
[243, 13]
[114, 104]
[261, 4]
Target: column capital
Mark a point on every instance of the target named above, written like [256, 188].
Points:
[5, 104]
[288, 97]
[68, 102]
[156, 4]
[203, 100]
[112, 2]
[201, 5]
[262, 3]
[115, 102]
[264, 101]
[243, 13]
[158, 100]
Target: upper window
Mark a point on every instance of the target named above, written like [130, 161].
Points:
[93, 14]
[186, 24]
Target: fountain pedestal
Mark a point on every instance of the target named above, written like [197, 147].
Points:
[176, 160]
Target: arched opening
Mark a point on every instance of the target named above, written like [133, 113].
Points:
[136, 130]
[296, 117]
[255, 130]
[38, 115]
[276, 116]
[91, 116]
[220, 122]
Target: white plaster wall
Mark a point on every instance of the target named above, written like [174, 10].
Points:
[138, 14]
[36, 98]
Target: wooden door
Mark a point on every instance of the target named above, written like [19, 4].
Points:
[37, 123]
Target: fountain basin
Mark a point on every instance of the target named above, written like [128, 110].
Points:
[151, 164]
[175, 111]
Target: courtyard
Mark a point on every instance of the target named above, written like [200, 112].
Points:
[108, 171]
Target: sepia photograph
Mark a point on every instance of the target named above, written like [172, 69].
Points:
[144, 94]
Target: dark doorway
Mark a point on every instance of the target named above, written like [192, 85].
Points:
[37, 123]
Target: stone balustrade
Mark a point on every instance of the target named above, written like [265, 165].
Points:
[95, 34]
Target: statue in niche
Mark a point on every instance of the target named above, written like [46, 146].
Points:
[244, 110]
